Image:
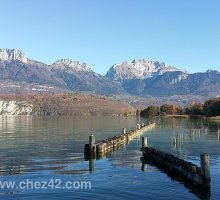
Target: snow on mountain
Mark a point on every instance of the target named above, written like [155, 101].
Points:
[138, 69]
[73, 65]
[12, 54]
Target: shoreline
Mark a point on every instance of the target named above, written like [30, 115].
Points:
[213, 118]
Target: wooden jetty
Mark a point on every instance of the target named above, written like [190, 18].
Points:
[199, 176]
[102, 147]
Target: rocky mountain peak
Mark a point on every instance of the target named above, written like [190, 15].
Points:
[139, 77]
[74, 65]
[150, 63]
[139, 69]
[13, 54]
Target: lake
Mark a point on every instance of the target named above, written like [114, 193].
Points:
[49, 151]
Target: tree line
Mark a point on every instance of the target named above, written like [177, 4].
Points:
[208, 108]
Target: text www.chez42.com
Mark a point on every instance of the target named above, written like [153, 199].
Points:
[46, 184]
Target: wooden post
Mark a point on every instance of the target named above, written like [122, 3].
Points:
[205, 167]
[144, 142]
[174, 140]
[123, 130]
[91, 141]
[218, 134]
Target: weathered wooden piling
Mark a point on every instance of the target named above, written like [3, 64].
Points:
[197, 175]
[144, 142]
[218, 134]
[91, 141]
[174, 141]
[123, 130]
[205, 168]
[102, 147]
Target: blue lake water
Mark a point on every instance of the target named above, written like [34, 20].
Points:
[47, 149]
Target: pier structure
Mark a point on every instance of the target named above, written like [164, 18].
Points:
[100, 148]
[171, 164]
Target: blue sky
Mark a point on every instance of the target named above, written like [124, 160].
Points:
[183, 33]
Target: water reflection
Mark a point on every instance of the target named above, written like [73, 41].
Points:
[30, 144]
[201, 193]
[35, 147]
[192, 140]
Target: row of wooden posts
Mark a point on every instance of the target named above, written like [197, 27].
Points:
[197, 175]
[180, 139]
[102, 147]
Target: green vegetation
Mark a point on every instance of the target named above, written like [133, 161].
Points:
[212, 107]
[151, 111]
[194, 109]
[209, 108]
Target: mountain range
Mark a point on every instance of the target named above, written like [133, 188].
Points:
[142, 78]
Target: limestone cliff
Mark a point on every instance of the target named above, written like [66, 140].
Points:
[15, 108]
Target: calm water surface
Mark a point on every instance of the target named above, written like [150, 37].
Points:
[45, 148]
